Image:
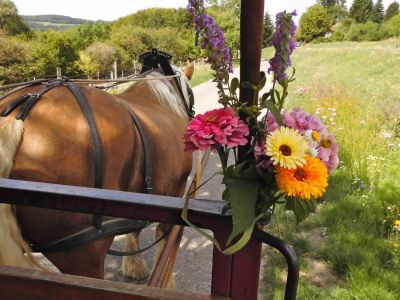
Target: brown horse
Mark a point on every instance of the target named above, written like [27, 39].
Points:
[54, 144]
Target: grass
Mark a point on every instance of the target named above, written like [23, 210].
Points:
[355, 88]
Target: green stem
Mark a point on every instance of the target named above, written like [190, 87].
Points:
[223, 157]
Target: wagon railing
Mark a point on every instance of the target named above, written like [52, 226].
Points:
[234, 276]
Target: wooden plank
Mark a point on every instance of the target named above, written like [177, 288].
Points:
[26, 284]
[155, 208]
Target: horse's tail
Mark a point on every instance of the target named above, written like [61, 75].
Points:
[14, 250]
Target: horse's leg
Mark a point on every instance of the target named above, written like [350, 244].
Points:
[87, 260]
[134, 266]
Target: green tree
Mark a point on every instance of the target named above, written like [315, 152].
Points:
[50, 50]
[327, 3]
[314, 23]
[378, 12]
[268, 30]
[391, 28]
[10, 21]
[13, 54]
[98, 57]
[392, 10]
[86, 34]
[361, 10]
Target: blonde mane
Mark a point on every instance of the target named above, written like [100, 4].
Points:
[163, 90]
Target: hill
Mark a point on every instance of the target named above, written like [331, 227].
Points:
[55, 22]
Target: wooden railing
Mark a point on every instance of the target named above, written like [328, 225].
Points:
[234, 276]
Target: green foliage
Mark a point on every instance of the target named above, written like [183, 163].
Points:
[13, 54]
[269, 29]
[391, 28]
[314, 23]
[86, 34]
[364, 32]
[10, 21]
[98, 57]
[392, 10]
[388, 192]
[50, 50]
[361, 10]
[378, 12]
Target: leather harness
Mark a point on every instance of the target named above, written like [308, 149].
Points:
[99, 229]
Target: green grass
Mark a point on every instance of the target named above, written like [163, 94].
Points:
[356, 89]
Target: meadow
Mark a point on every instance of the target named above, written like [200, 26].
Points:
[349, 249]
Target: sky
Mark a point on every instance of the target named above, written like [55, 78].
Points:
[110, 10]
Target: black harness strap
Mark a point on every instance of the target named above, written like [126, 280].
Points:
[146, 150]
[98, 151]
[26, 102]
[91, 234]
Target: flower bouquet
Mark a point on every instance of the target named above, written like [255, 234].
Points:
[279, 156]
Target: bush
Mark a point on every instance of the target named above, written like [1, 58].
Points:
[391, 28]
[364, 32]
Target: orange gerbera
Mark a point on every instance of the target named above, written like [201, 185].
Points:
[304, 182]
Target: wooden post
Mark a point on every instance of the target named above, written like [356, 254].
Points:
[244, 285]
[251, 21]
[59, 75]
[115, 70]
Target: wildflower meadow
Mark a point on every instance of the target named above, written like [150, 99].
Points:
[350, 249]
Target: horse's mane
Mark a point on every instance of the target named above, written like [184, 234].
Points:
[164, 91]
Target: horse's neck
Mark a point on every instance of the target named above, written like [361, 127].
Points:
[160, 97]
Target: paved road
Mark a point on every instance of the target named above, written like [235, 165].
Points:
[193, 267]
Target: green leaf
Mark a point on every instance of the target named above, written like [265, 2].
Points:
[242, 199]
[301, 208]
[274, 110]
[234, 85]
[248, 85]
[262, 83]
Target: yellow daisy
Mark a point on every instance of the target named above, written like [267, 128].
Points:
[304, 182]
[286, 147]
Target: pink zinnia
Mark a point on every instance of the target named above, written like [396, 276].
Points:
[215, 128]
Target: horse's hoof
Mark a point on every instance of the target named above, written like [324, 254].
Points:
[139, 280]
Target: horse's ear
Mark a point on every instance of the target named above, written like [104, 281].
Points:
[189, 71]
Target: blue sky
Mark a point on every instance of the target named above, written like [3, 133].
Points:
[110, 10]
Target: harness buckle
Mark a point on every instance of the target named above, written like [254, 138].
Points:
[149, 184]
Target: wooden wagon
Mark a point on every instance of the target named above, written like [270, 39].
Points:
[233, 277]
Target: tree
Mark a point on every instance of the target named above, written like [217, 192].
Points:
[268, 30]
[86, 34]
[392, 10]
[50, 50]
[361, 10]
[13, 53]
[96, 58]
[314, 23]
[10, 21]
[327, 3]
[378, 12]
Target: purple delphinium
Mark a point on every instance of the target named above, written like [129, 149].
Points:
[284, 44]
[212, 37]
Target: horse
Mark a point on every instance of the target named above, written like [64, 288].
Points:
[53, 142]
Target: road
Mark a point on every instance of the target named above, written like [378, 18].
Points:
[193, 266]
